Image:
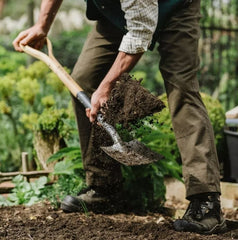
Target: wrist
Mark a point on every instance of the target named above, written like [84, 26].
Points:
[43, 27]
[107, 86]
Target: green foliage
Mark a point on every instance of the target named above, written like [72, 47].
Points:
[7, 86]
[51, 120]
[27, 89]
[48, 101]
[69, 168]
[70, 181]
[29, 120]
[71, 163]
[144, 186]
[9, 61]
[24, 192]
[65, 185]
[4, 108]
[147, 68]
[24, 96]
[54, 82]
[218, 71]
[216, 115]
[25, 93]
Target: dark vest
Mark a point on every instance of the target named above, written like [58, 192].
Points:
[111, 10]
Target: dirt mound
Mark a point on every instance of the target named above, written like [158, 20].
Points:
[40, 222]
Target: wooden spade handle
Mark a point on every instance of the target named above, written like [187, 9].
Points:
[55, 66]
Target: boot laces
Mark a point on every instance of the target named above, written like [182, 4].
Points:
[199, 208]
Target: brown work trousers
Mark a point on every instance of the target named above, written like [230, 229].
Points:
[178, 48]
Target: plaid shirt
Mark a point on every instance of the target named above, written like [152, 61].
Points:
[141, 18]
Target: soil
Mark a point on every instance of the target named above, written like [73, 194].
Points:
[41, 221]
[130, 101]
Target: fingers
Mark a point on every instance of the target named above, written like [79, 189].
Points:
[92, 114]
[17, 41]
[33, 37]
[88, 112]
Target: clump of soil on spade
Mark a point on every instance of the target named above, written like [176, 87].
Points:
[128, 103]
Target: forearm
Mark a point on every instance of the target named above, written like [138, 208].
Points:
[49, 9]
[124, 62]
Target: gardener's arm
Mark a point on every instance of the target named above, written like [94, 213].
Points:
[141, 18]
[35, 36]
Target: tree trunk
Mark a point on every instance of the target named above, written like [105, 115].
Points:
[46, 145]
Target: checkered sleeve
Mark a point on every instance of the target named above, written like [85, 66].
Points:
[141, 18]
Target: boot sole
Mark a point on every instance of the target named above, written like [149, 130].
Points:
[219, 228]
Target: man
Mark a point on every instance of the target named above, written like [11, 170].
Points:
[111, 50]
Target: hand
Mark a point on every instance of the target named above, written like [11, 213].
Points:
[34, 37]
[98, 99]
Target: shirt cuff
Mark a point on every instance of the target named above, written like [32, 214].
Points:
[133, 45]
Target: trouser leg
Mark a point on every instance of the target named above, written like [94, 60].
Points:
[96, 58]
[194, 134]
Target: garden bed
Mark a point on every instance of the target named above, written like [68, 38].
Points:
[41, 221]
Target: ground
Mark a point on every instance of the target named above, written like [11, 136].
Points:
[41, 221]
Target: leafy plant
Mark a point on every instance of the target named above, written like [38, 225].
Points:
[24, 192]
[71, 161]
[69, 169]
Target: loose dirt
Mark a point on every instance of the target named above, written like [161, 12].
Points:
[40, 222]
[129, 102]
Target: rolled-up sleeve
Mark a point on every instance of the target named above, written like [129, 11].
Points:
[141, 19]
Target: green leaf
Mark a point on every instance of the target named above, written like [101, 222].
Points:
[63, 153]
[32, 201]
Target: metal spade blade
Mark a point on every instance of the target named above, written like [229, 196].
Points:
[132, 153]
[128, 153]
